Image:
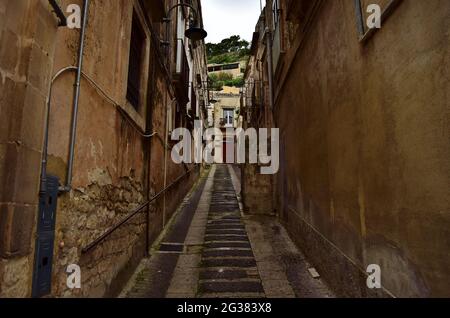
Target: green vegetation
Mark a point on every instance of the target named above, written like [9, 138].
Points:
[227, 58]
[231, 50]
[219, 80]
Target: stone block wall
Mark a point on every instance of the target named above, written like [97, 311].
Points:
[257, 191]
[115, 168]
[27, 45]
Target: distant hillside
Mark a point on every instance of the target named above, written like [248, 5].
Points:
[230, 50]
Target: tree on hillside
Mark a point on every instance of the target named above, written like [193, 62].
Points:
[233, 44]
[231, 50]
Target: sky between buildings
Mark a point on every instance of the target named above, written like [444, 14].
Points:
[224, 18]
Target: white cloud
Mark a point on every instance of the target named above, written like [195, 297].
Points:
[224, 18]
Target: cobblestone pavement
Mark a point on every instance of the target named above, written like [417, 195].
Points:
[224, 253]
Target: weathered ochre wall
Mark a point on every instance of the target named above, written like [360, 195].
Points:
[27, 41]
[365, 158]
[113, 163]
[257, 191]
[115, 168]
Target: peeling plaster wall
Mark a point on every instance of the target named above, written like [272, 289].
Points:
[365, 169]
[109, 172]
[86, 215]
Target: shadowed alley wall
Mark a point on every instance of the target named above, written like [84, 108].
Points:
[365, 132]
[364, 149]
[116, 169]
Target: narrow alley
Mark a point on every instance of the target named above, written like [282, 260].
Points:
[224, 149]
[213, 250]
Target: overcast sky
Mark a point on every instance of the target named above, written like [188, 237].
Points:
[224, 18]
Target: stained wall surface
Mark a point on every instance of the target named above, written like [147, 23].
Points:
[115, 170]
[365, 148]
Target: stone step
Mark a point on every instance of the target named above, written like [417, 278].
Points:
[211, 245]
[228, 262]
[233, 239]
[231, 287]
[230, 226]
[228, 231]
[223, 274]
[229, 253]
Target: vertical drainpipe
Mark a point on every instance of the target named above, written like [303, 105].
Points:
[76, 100]
[168, 35]
[166, 142]
[270, 66]
[166, 130]
[271, 96]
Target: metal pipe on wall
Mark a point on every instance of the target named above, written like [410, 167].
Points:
[43, 186]
[79, 73]
[270, 66]
[76, 100]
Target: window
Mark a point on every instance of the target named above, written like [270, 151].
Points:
[276, 12]
[137, 47]
[225, 67]
[231, 66]
[228, 117]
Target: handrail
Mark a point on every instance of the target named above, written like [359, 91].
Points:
[138, 210]
[59, 13]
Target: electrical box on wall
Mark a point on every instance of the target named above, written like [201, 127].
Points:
[45, 238]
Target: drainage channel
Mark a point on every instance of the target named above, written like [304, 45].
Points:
[228, 266]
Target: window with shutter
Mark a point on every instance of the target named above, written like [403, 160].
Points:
[137, 46]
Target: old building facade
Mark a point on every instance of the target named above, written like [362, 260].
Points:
[234, 69]
[101, 168]
[226, 119]
[364, 170]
